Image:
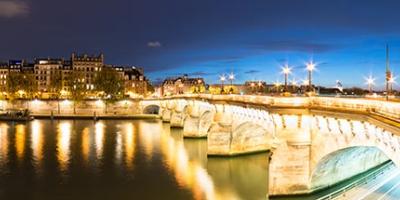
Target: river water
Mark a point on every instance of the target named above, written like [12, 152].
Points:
[132, 159]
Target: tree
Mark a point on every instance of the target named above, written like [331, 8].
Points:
[13, 83]
[110, 84]
[76, 82]
[21, 82]
[55, 86]
[198, 89]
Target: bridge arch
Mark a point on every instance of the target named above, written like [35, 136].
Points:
[152, 109]
[250, 137]
[343, 164]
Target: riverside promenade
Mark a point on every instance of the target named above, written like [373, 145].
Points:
[88, 109]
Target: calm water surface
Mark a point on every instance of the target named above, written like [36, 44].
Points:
[82, 159]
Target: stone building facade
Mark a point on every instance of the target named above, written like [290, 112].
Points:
[181, 85]
[81, 66]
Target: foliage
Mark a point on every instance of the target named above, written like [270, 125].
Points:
[76, 81]
[108, 82]
[21, 82]
[195, 89]
[227, 89]
[56, 83]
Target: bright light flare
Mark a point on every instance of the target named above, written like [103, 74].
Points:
[311, 66]
[222, 77]
[231, 76]
[392, 79]
[370, 80]
[286, 69]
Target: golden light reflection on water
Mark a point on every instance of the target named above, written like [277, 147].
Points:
[3, 143]
[149, 137]
[85, 144]
[118, 148]
[129, 144]
[37, 142]
[99, 138]
[63, 145]
[20, 140]
[188, 174]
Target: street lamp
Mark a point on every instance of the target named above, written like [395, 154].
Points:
[222, 78]
[231, 78]
[370, 81]
[310, 66]
[286, 70]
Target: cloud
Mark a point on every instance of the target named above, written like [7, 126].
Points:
[201, 73]
[154, 44]
[252, 71]
[10, 9]
[297, 46]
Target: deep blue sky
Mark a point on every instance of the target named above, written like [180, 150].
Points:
[210, 37]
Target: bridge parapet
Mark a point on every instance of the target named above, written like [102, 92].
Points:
[386, 108]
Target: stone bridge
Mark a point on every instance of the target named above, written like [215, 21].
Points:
[315, 142]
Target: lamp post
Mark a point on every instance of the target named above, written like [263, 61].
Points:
[286, 70]
[310, 66]
[231, 78]
[222, 78]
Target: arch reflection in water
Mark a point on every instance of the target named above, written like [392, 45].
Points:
[63, 144]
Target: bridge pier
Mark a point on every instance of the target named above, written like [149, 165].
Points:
[166, 115]
[198, 126]
[177, 119]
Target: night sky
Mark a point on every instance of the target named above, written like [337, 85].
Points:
[210, 37]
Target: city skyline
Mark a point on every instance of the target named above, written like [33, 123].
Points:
[212, 38]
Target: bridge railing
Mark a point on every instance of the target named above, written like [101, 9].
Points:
[386, 108]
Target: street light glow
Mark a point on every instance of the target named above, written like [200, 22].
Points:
[392, 79]
[222, 77]
[370, 80]
[231, 76]
[310, 66]
[286, 70]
